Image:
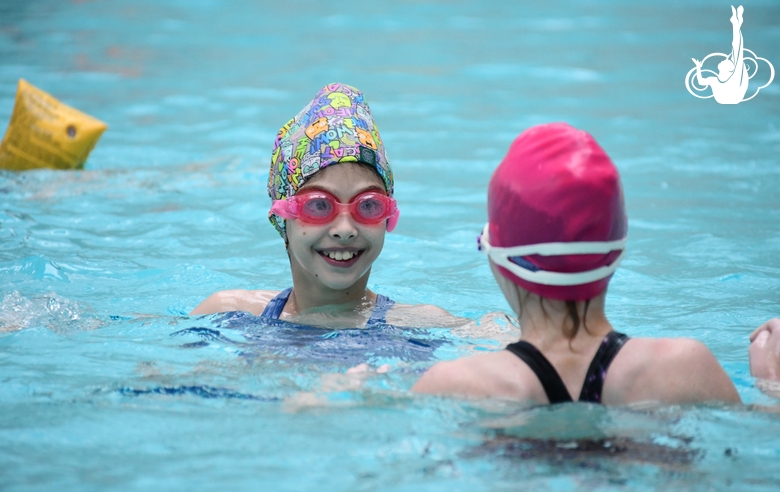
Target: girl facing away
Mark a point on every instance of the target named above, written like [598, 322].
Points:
[332, 191]
[556, 233]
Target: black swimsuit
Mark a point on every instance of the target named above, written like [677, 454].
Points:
[551, 381]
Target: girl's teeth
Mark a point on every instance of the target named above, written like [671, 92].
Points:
[341, 255]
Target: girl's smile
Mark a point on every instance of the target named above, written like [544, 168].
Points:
[341, 257]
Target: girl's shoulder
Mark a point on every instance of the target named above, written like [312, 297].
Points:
[498, 375]
[641, 356]
[423, 316]
[667, 370]
[251, 301]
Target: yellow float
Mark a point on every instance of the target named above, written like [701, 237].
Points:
[45, 133]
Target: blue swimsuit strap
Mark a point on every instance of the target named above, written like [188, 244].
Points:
[383, 304]
[275, 306]
[381, 307]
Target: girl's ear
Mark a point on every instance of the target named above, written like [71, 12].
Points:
[510, 290]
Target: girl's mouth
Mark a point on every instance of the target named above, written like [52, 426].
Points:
[340, 258]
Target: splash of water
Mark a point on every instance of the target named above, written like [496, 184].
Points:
[50, 311]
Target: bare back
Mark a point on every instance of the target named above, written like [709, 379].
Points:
[662, 371]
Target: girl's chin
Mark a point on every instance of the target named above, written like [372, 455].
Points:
[340, 281]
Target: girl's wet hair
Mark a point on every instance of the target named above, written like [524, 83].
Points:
[572, 314]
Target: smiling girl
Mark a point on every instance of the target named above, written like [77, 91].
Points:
[332, 192]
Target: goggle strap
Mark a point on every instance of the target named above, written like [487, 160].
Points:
[558, 278]
[500, 256]
[558, 249]
[393, 220]
[281, 208]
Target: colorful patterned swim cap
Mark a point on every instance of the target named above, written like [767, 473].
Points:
[336, 126]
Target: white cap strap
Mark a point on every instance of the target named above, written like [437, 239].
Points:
[501, 257]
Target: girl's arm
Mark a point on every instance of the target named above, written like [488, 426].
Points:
[251, 301]
[764, 351]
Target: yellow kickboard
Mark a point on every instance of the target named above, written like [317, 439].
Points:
[47, 133]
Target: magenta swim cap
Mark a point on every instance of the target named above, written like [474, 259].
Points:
[556, 186]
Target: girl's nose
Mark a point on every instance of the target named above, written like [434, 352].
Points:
[343, 228]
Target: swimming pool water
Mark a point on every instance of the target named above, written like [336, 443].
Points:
[105, 383]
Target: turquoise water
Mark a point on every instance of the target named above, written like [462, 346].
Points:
[99, 268]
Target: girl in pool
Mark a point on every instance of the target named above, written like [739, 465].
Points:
[556, 233]
[332, 192]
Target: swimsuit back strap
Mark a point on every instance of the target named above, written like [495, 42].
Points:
[275, 306]
[597, 372]
[381, 307]
[553, 384]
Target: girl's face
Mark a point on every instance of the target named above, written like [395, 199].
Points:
[338, 254]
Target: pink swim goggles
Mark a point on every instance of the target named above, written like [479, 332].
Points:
[320, 207]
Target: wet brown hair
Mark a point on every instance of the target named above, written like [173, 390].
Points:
[572, 321]
[571, 311]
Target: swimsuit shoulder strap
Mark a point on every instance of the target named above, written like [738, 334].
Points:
[597, 372]
[383, 304]
[548, 376]
[275, 306]
[381, 307]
